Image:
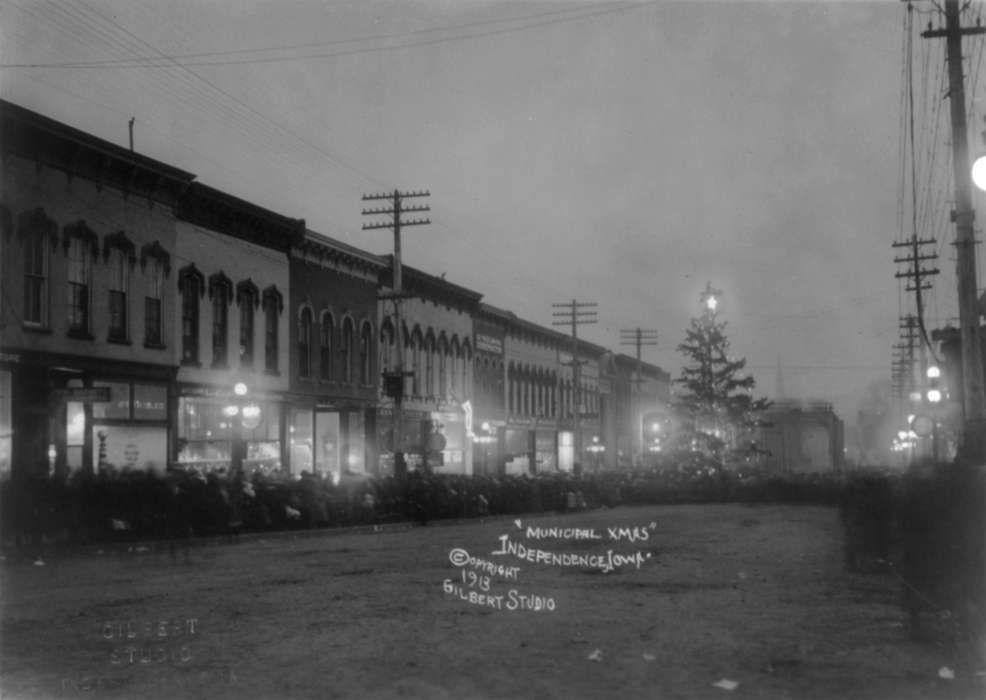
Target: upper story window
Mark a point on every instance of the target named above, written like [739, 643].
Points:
[119, 283]
[248, 299]
[80, 244]
[221, 293]
[36, 281]
[305, 322]
[156, 264]
[118, 252]
[365, 350]
[191, 285]
[348, 346]
[326, 331]
[38, 235]
[273, 305]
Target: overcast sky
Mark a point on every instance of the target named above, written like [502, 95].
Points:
[623, 153]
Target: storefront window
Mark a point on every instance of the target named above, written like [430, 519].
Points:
[207, 428]
[118, 407]
[300, 440]
[356, 458]
[75, 432]
[327, 443]
[6, 424]
[129, 430]
[150, 402]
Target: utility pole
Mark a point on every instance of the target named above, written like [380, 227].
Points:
[917, 284]
[575, 317]
[974, 401]
[638, 337]
[394, 384]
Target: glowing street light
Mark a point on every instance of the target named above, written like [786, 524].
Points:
[979, 172]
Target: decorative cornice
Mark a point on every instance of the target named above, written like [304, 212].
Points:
[121, 242]
[155, 250]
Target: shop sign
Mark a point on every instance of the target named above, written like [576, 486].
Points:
[98, 394]
[488, 343]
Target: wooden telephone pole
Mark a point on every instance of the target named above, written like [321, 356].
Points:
[574, 316]
[394, 383]
[974, 402]
[639, 338]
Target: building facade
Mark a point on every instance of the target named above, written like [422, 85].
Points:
[335, 374]
[87, 265]
[231, 326]
[435, 337]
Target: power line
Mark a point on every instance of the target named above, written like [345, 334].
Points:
[174, 61]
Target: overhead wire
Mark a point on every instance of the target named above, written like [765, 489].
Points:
[164, 60]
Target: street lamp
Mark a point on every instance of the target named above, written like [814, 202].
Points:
[241, 415]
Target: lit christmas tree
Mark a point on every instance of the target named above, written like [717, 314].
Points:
[716, 410]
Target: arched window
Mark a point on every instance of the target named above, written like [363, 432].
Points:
[443, 379]
[221, 293]
[416, 347]
[455, 356]
[430, 388]
[191, 286]
[305, 321]
[348, 348]
[273, 304]
[387, 359]
[248, 299]
[464, 383]
[365, 353]
[325, 349]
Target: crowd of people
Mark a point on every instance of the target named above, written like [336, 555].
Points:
[123, 505]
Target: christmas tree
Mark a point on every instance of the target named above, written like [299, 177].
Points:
[715, 410]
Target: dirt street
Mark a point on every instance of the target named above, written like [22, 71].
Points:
[702, 602]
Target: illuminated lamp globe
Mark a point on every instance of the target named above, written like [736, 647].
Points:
[240, 389]
[934, 395]
[979, 172]
[934, 372]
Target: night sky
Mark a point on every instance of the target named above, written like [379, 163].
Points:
[623, 153]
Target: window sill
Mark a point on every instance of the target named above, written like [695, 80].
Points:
[79, 334]
[32, 328]
[154, 346]
[118, 341]
[191, 363]
[219, 366]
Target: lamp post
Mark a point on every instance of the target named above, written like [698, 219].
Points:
[241, 414]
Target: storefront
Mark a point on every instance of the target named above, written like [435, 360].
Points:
[129, 430]
[545, 451]
[327, 441]
[78, 413]
[212, 423]
[456, 453]
[416, 425]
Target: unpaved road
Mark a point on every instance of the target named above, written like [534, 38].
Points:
[752, 595]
